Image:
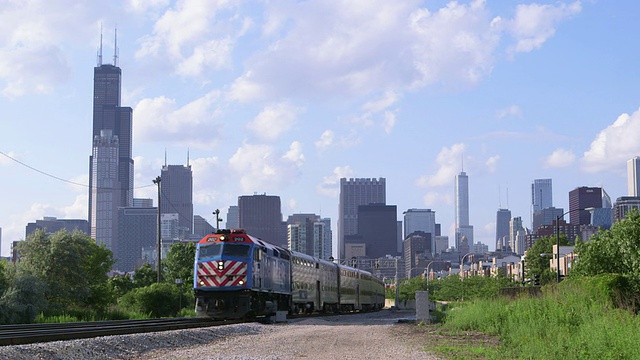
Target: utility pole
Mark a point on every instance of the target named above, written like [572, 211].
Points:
[157, 182]
[218, 219]
[397, 285]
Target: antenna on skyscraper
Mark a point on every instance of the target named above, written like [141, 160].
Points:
[165, 157]
[115, 48]
[187, 157]
[100, 48]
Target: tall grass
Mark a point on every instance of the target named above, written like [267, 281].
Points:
[576, 320]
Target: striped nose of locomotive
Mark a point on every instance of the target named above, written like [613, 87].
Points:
[222, 273]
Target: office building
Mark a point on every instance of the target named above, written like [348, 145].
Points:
[52, 224]
[541, 196]
[260, 216]
[323, 238]
[416, 245]
[462, 227]
[377, 224]
[633, 176]
[582, 198]
[233, 217]
[138, 229]
[503, 217]
[545, 216]
[201, 227]
[176, 189]
[420, 220]
[139, 202]
[515, 230]
[353, 193]
[300, 233]
[111, 161]
[623, 205]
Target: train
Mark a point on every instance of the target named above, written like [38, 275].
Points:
[240, 276]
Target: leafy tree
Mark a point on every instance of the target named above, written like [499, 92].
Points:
[408, 288]
[120, 284]
[23, 299]
[538, 258]
[179, 262]
[73, 267]
[614, 251]
[144, 276]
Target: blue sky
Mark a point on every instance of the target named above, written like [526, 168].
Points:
[287, 97]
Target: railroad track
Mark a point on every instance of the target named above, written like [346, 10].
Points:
[35, 333]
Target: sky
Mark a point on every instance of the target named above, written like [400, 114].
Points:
[287, 97]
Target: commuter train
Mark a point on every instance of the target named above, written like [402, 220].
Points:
[238, 276]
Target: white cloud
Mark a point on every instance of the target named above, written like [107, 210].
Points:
[330, 185]
[326, 140]
[262, 168]
[206, 182]
[189, 36]
[614, 145]
[388, 99]
[274, 120]
[448, 161]
[194, 124]
[492, 163]
[535, 23]
[510, 111]
[560, 158]
[389, 121]
[292, 205]
[435, 198]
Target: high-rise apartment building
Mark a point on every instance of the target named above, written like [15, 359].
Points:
[176, 196]
[300, 233]
[582, 198]
[516, 235]
[111, 161]
[260, 216]
[503, 217]
[462, 227]
[633, 176]
[353, 193]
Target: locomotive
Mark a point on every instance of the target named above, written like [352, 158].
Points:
[238, 276]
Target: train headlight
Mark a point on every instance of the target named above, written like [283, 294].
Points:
[240, 282]
[220, 265]
[201, 283]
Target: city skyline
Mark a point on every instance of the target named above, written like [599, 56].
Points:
[287, 98]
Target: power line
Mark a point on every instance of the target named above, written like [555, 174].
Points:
[57, 177]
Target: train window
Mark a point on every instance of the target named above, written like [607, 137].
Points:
[236, 250]
[317, 266]
[210, 250]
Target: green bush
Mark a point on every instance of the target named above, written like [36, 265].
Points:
[157, 300]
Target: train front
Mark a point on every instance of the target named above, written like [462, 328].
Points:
[222, 275]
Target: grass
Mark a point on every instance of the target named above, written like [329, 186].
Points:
[572, 321]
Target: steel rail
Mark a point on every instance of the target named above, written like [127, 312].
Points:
[36, 333]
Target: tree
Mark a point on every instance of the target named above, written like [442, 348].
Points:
[73, 267]
[538, 258]
[179, 262]
[614, 251]
[120, 284]
[157, 300]
[144, 276]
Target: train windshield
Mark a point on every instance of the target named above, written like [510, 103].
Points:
[217, 249]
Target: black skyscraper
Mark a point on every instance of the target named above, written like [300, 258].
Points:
[111, 162]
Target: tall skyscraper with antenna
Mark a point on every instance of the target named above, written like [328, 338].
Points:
[633, 176]
[111, 161]
[462, 228]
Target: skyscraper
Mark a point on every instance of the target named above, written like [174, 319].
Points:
[260, 216]
[420, 220]
[541, 197]
[581, 198]
[462, 227]
[503, 217]
[355, 192]
[176, 189]
[111, 161]
[633, 176]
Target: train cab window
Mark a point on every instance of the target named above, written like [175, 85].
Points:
[236, 250]
[209, 250]
[317, 266]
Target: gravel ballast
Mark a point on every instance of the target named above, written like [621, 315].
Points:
[376, 335]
